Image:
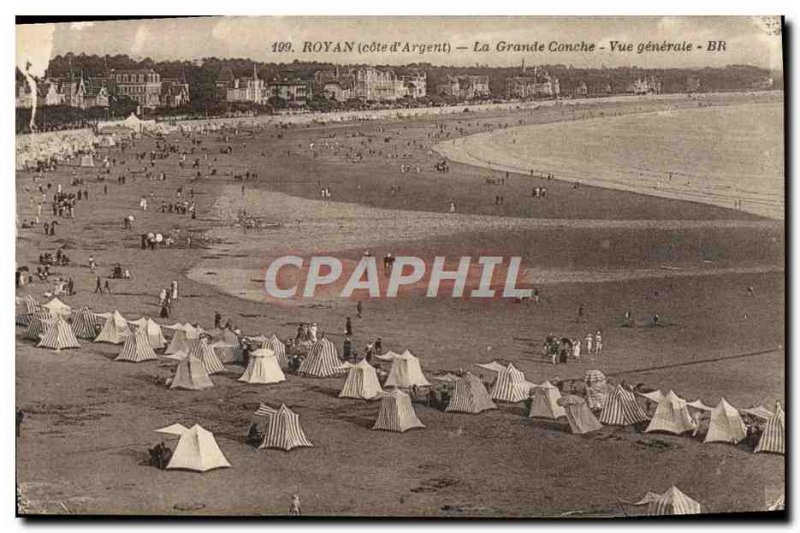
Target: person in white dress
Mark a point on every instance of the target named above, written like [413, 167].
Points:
[598, 343]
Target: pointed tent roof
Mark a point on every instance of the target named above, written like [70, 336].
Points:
[510, 385]
[38, 322]
[180, 339]
[653, 396]
[673, 502]
[597, 389]
[362, 382]
[84, 323]
[174, 429]
[581, 419]
[545, 402]
[396, 413]
[470, 396]
[494, 366]
[621, 409]
[154, 335]
[773, 439]
[202, 350]
[388, 356]
[197, 450]
[263, 367]
[31, 304]
[283, 430]
[114, 330]
[321, 360]
[191, 374]
[759, 412]
[406, 372]
[136, 348]
[671, 416]
[725, 425]
[699, 405]
[57, 307]
[58, 336]
[275, 344]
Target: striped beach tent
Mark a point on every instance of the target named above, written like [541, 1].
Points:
[136, 348]
[469, 396]
[153, 330]
[725, 424]
[406, 372]
[37, 323]
[672, 502]
[510, 385]
[321, 360]
[25, 308]
[58, 308]
[362, 382]
[263, 368]
[396, 413]
[58, 336]
[197, 450]
[31, 305]
[773, 439]
[275, 344]
[190, 374]
[621, 409]
[283, 430]
[597, 389]
[202, 350]
[115, 330]
[671, 416]
[84, 323]
[545, 402]
[581, 419]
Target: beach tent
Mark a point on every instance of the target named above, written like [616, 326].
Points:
[275, 344]
[469, 396]
[283, 430]
[388, 356]
[654, 396]
[672, 502]
[58, 336]
[759, 412]
[196, 450]
[597, 389]
[191, 374]
[136, 348]
[725, 425]
[31, 305]
[321, 360]
[494, 366]
[671, 416]
[362, 382]
[87, 160]
[153, 331]
[621, 409]
[699, 405]
[114, 330]
[107, 141]
[406, 372]
[37, 324]
[228, 347]
[183, 334]
[510, 385]
[58, 308]
[396, 413]
[581, 419]
[545, 402]
[84, 323]
[200, 349]
[27, 306]
[263, 367]
[773, 439]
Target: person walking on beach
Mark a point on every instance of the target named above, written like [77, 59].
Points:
[580, 313]
[174, 290]
[359, 308]
[588, 341]
[348, 327]
[598, 343]
[107, 287]
[99, 286]
[294, 506]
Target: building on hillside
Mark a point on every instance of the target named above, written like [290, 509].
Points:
[692, 84]
[646, 85]
[539, 85]
[340, 90]
[141, 85]
[414, 86]
[294, 92]
[465, 87]
[369, 84]
[174, 92]
[581, 90]
[242, 89]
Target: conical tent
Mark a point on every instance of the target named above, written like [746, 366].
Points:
[725, 425]
[406, 372]
[581, 419]
[200, 349]
[87, 161]
[545, 402]
[510, 385]
[181, 338]
[263, 367]
[283, 430]
[197, 450]
[773, 439]
[469, 396]
[136, 348]
[228, 347]
[673, 502]
[671, 416]
[396, 413]
[84, 323]
[58, 336]
[191, 374]
[153, 330]
[37, 324]
[275, 344]
[115, 330]
[362, 382]
[58, 308]
[621, 409]
[321, 361]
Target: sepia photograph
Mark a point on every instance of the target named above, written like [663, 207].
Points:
[265, 267]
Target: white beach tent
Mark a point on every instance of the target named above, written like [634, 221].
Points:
[282, 429]
[137, 348]
[362, 382]
[406, 372]
[263, 367]
[115, 330]
[581, 419]
[725, 424]
[469, 396]
[87, 160]
[58, 336]
[545, 402]
[671, 416]
[396, 413]
[181, 337]
[322, 360]
[621, 409]
[196, 450]
[153, 330]
[190, 374]
[672, 502]
[773, 439]
[58, 308]
[227, 346]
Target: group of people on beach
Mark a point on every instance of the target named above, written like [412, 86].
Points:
[560, 350]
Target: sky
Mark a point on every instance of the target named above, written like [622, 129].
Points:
[748, 39]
